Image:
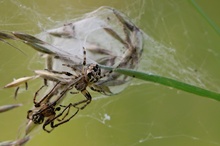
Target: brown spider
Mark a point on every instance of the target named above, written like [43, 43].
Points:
[46, 109]
[86, 76]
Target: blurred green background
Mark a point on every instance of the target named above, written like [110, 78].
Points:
[184, 47]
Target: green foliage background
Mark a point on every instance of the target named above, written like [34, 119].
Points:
[144, 114]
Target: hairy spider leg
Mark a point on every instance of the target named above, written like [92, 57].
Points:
[74, 68]
[60, 72]
[96, 89]
[84, 56]
[84, 62]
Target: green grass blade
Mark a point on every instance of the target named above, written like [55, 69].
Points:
[167, 82]
[214, 26]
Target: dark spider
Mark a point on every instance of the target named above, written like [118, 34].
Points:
[48, 110]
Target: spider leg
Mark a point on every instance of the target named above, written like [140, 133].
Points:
[84, 56]
[86, 101]
[67, 120]
[47, 97]
[36, 93]
[101, 89]
[106, 74]
[29, 113]
[68, 110]
[97, 90]
[88, 98]
[51, 121]
[47, 122]
[60, 72]
[76, 92]
[84, 62]
[62, 122]
[75, 68]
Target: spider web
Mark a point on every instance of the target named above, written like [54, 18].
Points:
[178, 43]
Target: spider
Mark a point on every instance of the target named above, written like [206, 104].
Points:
[46, 109]
[86, 76]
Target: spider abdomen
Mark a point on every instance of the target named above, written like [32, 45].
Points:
[81, 85]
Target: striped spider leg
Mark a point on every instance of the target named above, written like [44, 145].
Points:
[48, 109]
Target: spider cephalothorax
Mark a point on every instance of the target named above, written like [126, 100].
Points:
[90, 75]
[93, 73]
[37, 118]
